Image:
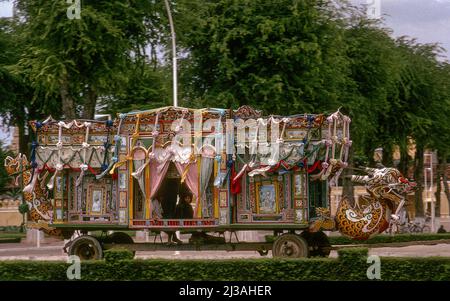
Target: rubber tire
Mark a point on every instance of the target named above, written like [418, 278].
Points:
[290, 246]
[426, 229]
[121, 238]
[86, 247]
[318, 242]
[415, 229]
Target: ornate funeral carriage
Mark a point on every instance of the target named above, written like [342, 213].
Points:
[244, 171]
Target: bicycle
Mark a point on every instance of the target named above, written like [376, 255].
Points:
[418, 227]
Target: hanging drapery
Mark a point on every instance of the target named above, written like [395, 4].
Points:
[139, 163]
[190, 172]
[207, 165]
[160, 159]
[259, 171]
[158, 172]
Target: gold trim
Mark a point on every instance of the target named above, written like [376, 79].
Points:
[199, 202]
[147, 192]
[130, 194]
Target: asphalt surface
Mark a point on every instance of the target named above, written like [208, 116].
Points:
[54, 251]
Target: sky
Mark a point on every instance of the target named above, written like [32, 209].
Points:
[5, 9]
[426, 20]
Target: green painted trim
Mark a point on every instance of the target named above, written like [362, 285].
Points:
[266, 226]
[233, 227]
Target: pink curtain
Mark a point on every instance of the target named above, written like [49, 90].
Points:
[157, 173]
[191, 180]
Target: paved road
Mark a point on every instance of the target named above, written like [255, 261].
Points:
[54, 251]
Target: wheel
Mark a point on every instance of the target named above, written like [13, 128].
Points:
[86, 247]
[404, 229]
[120, 238]
[415, 229]
[290, 246]
[319, 245]
[426, 229]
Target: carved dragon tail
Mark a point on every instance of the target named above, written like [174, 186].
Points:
[363, 223]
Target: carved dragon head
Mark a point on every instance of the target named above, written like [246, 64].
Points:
[385, 182]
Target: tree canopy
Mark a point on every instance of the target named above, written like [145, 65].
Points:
[282, 56]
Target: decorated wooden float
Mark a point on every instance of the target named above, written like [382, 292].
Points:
[243, 171]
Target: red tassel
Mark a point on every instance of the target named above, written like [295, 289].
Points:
[92, 170]
[316, 165]
[235, 184]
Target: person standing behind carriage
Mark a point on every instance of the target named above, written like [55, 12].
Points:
[183, 210]
[172, 235]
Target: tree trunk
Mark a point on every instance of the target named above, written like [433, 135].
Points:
[438, 195]
[438, 185]
[443, 165]
[418, 176]
[68, 104]
[404, 158]
[387, 156]
[89, 104]
[23, 139]
[348, 190]
[20, 121]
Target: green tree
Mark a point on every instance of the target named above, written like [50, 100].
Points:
[82, 60]
[5, 179]
[19, 102]
[281, 56]
[374, 66]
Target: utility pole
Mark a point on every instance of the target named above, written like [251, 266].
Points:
[174, 55]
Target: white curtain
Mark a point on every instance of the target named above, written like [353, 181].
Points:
[140, 177]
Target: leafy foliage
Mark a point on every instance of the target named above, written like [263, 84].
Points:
[83, 59]
[351, 265]
[4, 177]
[115, 255]
[276, 55]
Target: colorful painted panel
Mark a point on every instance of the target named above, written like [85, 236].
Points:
[96, 200]
[267, 198]
[223, 198]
